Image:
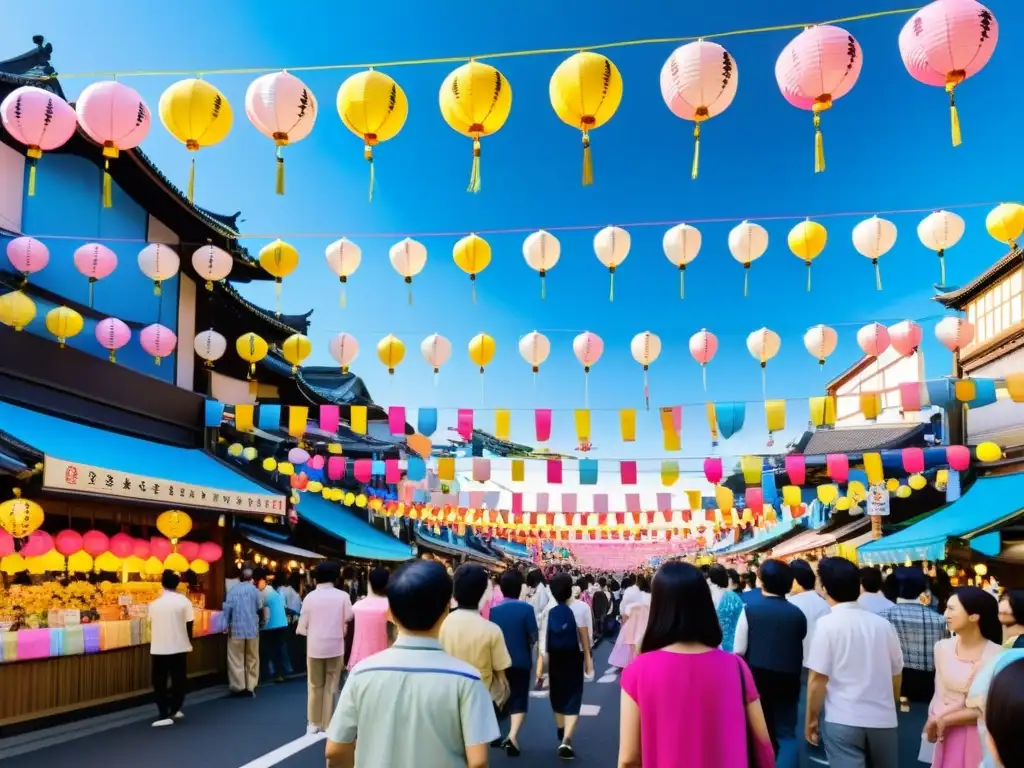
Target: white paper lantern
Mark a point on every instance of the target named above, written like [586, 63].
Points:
[534, 348]
[940, 231]
[611, 246]
[681, 245]
[436, 350]
[873, 238]
[210, 346]
[747, 243]
[212, 264]
[820, 341]
[159, 262]
[343, 348]
[343, 259]
[408, 258]
[541, 250]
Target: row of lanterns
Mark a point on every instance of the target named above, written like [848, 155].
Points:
[941, 45]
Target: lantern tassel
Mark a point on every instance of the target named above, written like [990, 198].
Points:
[277, 296]
[808, 277]
[696, 151]
[819, 145]
[942, 267]
[647, 391]
[474, 173]
[344, 296]
[611, 284]
[682, 281]
[92, 291]
[481, 385]
[543, 286]
[108, 187]
[192, 180]
[588, 163]
[472, 282]
[368, 154]
[764, 381]
[954, 116]
[280, 172]
[408, 280]
[704, 375]
[31, 177]
[878, 275]
[586, 387]
[746, 279]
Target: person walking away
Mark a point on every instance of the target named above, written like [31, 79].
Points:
[601, 605]
[242, 610]
[751, 587]
[919, 629]
[871, 597]
[979, 698]
[770, 636]
[566, 641]
[326, 614]
[635, 608]
[855, 667]
[804, 597]
[289, 585]
[539, 594]
[370, 631]
[1011, 616]
[413, 704]
[274, 634]
[518, 626]
[170, 622]
[728, 604]
[973, 615]
[686, 702]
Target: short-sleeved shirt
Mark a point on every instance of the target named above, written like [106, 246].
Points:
[274, 602]
[468, 636]
[242, 608]
[410, 701]
[859, 652]
[325, 612]
[518, 624]
[168, 616]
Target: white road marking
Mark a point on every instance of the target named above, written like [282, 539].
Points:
[612, 671]
[538, 694]
[590, 710]
[608, 679]
[285, 751]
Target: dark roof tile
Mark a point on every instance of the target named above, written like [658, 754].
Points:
[857, 439]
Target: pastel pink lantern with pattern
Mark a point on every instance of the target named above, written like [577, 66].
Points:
[96, 262]
[115, 117]
[698, 82]
[112, 334]
[954, 333]
[947, 42]
[905, 337]
[158, 341]
[27, 255]
[283, 109]
[588, 348]
[819, 66]
[39, 119]
[703, 347]
[873, 339]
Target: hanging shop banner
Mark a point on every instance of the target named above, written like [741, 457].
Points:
[71, 477]
[878, 501]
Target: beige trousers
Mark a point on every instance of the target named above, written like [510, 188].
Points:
[324, 676]
[243, 663]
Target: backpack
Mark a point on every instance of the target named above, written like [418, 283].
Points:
[562, 633]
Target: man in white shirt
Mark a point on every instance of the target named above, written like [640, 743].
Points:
[871, 597]
[807, 600]
[170, 622]
[855, 668]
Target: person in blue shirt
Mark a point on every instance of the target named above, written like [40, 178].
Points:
[242, 608]
[518, 624]
[274, 632]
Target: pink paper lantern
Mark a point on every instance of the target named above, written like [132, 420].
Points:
[954, 333]
[819, 65]
[210, 552]
[298, 456]
[316, 462]
[38, 543]
[189, 550]
[958, 457]
[160, 548]
[713, 469]
[796, 468]
[913, 460]
[140, 549]
[754, 499]
[873, 339]
[112, 334]
[39, 119]
[703, 346]
[947, 42]
[95, 543]
[283, 109]
[905, 337]
[588, 348]
[6, 544]
[115, 117]
[158, 341]
[27, 255]
[68, 542]
[838, 466]
[121, 545]
[95, 261]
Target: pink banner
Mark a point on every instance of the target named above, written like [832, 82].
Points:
[396, 420]
[632, 502]
[476, 499]
[392, 474]
[796, 469]
[627, 555]
[627, 472]
[465, 424]
[754, 499]
[664, 502]
[838, 466]
[543, 502]
[542, 419]
[517, 503]
[363, 470]
[600, 503]
[677, 418]
[335, 467]
[910, 396]
[569, 503]
[481, 467]
[554, 471]
[330, 416]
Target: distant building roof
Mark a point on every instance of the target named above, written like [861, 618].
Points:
[858, 439]
[957, 298]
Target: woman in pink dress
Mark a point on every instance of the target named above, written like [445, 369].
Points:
[952, 726]
[634, 610]
[370, 635]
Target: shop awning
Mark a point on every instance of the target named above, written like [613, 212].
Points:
[817, 539]
[451, 543]
[990, 502]
[87, 460]
[361, 539]
[281, 547]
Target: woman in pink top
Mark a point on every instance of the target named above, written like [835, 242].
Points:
[370, 634]
[684, 701]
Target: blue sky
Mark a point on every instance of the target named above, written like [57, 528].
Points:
[887, 146]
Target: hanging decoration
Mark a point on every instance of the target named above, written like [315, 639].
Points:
[585, 92]
[391, 352]
[611, 245]
[703, 346]
[20, 517]
[96, 262]
[174, 524]
[344, 349]
[211, 263]
[115, 117]
[343, 259]
[17, 310]
[112, 334]
[645, 348]
[905, 337]
[817, 67]
[873, 238]
[28, 256]
[210, 346]
[820, 341]
[698, 82]
[279, 259]
[541, 250]
[588, 348]
[198, 115]
[373, 107]
[436, 351]
[940, 231]
[534, 348]
[295, 349]
[873, 339]
[158, 262]
[1005, 223]
[408, 258]
[475, 100]
[39, 119]
[806, 241]
[252, 348]
[283, 109]
[472, 254]
[64, 323]
[747, 243]
[954, 333]
[158, 341]
[947, 42]
[763, 345]
[681, 245]
[481, 352]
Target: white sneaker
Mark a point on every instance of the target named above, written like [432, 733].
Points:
[163, 723]
[179, 715]
[312, 730]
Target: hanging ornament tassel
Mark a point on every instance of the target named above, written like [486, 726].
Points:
[695, 168]
[647, 391]
[808, 276]
[682, 281]
[952, 81]
[588, 163]
[764, 381]
[586, 387]
[436, 371]
[878, 275]
[611, 284]
[474, 173]
[108, 186]
[704, 375]
[746, 279]
[92, 290]
[543, 285]
[408, 280]
[277, 296]
[472, 282]
[34, 153]
[279, 187]
[157, 288]
[481, 385]
[344, 291]
[819, 145]
[942, 267]
[368, 154]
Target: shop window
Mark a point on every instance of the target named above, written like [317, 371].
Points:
[998, 310]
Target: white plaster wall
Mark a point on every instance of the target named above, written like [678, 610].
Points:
[12, 188]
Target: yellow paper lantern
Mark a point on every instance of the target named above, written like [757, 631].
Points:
[199, 567]
[374, 108]
[481, 350]
[856, 491]
[843, 503]
[585, 92]
[20, 517]
[314, 486]
[791, 496]
[286, 468]
[80, 562]
[349, 499]
[807, 240]
[391, 352]
[269, 464]
[279, 259]
[917, 482]
[17, 310]
[988, 452]
[196, 114]
[108, 562]
[252, 348]
[249, 453]
[154, 567]
[475, 101]
[54, 561]
[12, 564]
[892, 484]
[35, 565]
[337, 495]
[134, 564]
[472, 254]
[1005, 223]
[295, 349]
[64, 323]
[827, 493]
[174, 524]
[235, 450]
[176, 562]
[903, 492]
[360, 501]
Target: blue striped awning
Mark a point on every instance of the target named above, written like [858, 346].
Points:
[361, 539]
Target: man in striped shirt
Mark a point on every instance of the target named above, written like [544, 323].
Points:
[919, 629]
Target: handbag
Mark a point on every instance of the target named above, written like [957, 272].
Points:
[751, 750]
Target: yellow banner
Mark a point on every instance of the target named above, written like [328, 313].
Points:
[502, 424]
[298, 415]
[627, 424]
[669, 472]
[823, 411]
[518, 470]
[357, 419]
[870, 404]
[446, 468]
[775, 415]
[243, 417]
[873, 468]
[583, 425]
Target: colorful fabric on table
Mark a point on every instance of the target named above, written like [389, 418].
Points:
[74, 641]
[33, 644]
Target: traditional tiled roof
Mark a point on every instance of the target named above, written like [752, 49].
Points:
[32, 68]
[958, 297]
[858, 439]
[286, 324]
